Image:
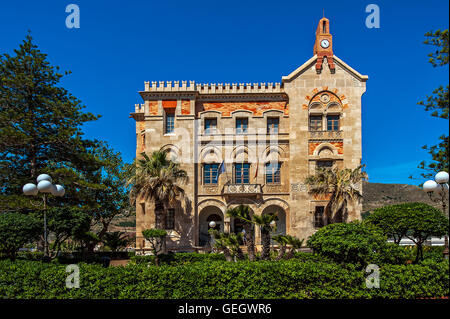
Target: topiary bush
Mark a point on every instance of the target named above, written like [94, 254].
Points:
[354, 243]
[416, 221]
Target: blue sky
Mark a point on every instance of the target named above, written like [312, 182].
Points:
[121, 44]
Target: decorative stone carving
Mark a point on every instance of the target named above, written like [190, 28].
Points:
[242, 189]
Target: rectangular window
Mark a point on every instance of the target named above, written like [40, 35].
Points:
[242, 173]
[210, 172]
[170, 218]
[210, 126]
[170, 122]
[241, 125]
[315, 123]
[143, 208]
[324, 164]
[318, 216]
[273, 175]
[333, 122]
[272, 125]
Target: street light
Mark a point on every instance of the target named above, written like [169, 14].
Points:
[439, 186]
[44, 186]
[212, 224]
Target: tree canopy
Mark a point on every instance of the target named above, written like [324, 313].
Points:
[41, 132]
[437, 104]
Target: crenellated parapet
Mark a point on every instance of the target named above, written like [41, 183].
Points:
[139, 108]
[211, 88]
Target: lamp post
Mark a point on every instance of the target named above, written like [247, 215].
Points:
[439, 185]
[211, 224]
[44, 186]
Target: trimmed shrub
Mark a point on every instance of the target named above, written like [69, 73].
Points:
[354, 243]
[218, 279]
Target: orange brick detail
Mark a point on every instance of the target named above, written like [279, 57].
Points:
[333, 97]
[169, 104]
[256, 107]
[338, 145]
[185, 107]
[153, 107]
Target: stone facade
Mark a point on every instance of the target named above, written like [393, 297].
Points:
[311, 118]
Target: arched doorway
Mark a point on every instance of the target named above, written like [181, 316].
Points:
[208, 214]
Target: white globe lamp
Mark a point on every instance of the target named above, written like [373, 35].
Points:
[43, 177]
[441, 177]
[58, 190]
[45, 186]
[429, 186]
[212, 224]
[30, 189]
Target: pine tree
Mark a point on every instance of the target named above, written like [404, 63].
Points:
[39, 120]
[437, 103]
[40, 132]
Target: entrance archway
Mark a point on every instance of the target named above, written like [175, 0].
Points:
[208, 214]
[280, 221]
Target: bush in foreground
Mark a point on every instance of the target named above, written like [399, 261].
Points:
[218, 279]
[355, 243]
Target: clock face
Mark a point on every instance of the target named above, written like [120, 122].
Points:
[324, 43]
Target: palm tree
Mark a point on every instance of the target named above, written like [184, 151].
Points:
[242, 212]
[341, 186]
[156, 178]
[264, 222]
[295, 244]
[282, 241]
[115, 240]
[228, 244]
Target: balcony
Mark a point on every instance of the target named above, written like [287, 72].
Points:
[242, 189]
[325, 134]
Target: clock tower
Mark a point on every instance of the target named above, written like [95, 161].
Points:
[323, 47]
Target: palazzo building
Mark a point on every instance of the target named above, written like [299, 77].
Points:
[253, 144]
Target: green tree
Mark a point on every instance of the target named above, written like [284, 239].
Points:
[40, 122]
[422, 221]
[242, 212]
[391, 220]
[15, 231]
[107, 198]
[437, 104]
[156, 238]
[342, 187]
[159, 179]
[264, 222]
[65, 223]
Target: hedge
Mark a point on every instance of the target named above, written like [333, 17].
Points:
[218, 279]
